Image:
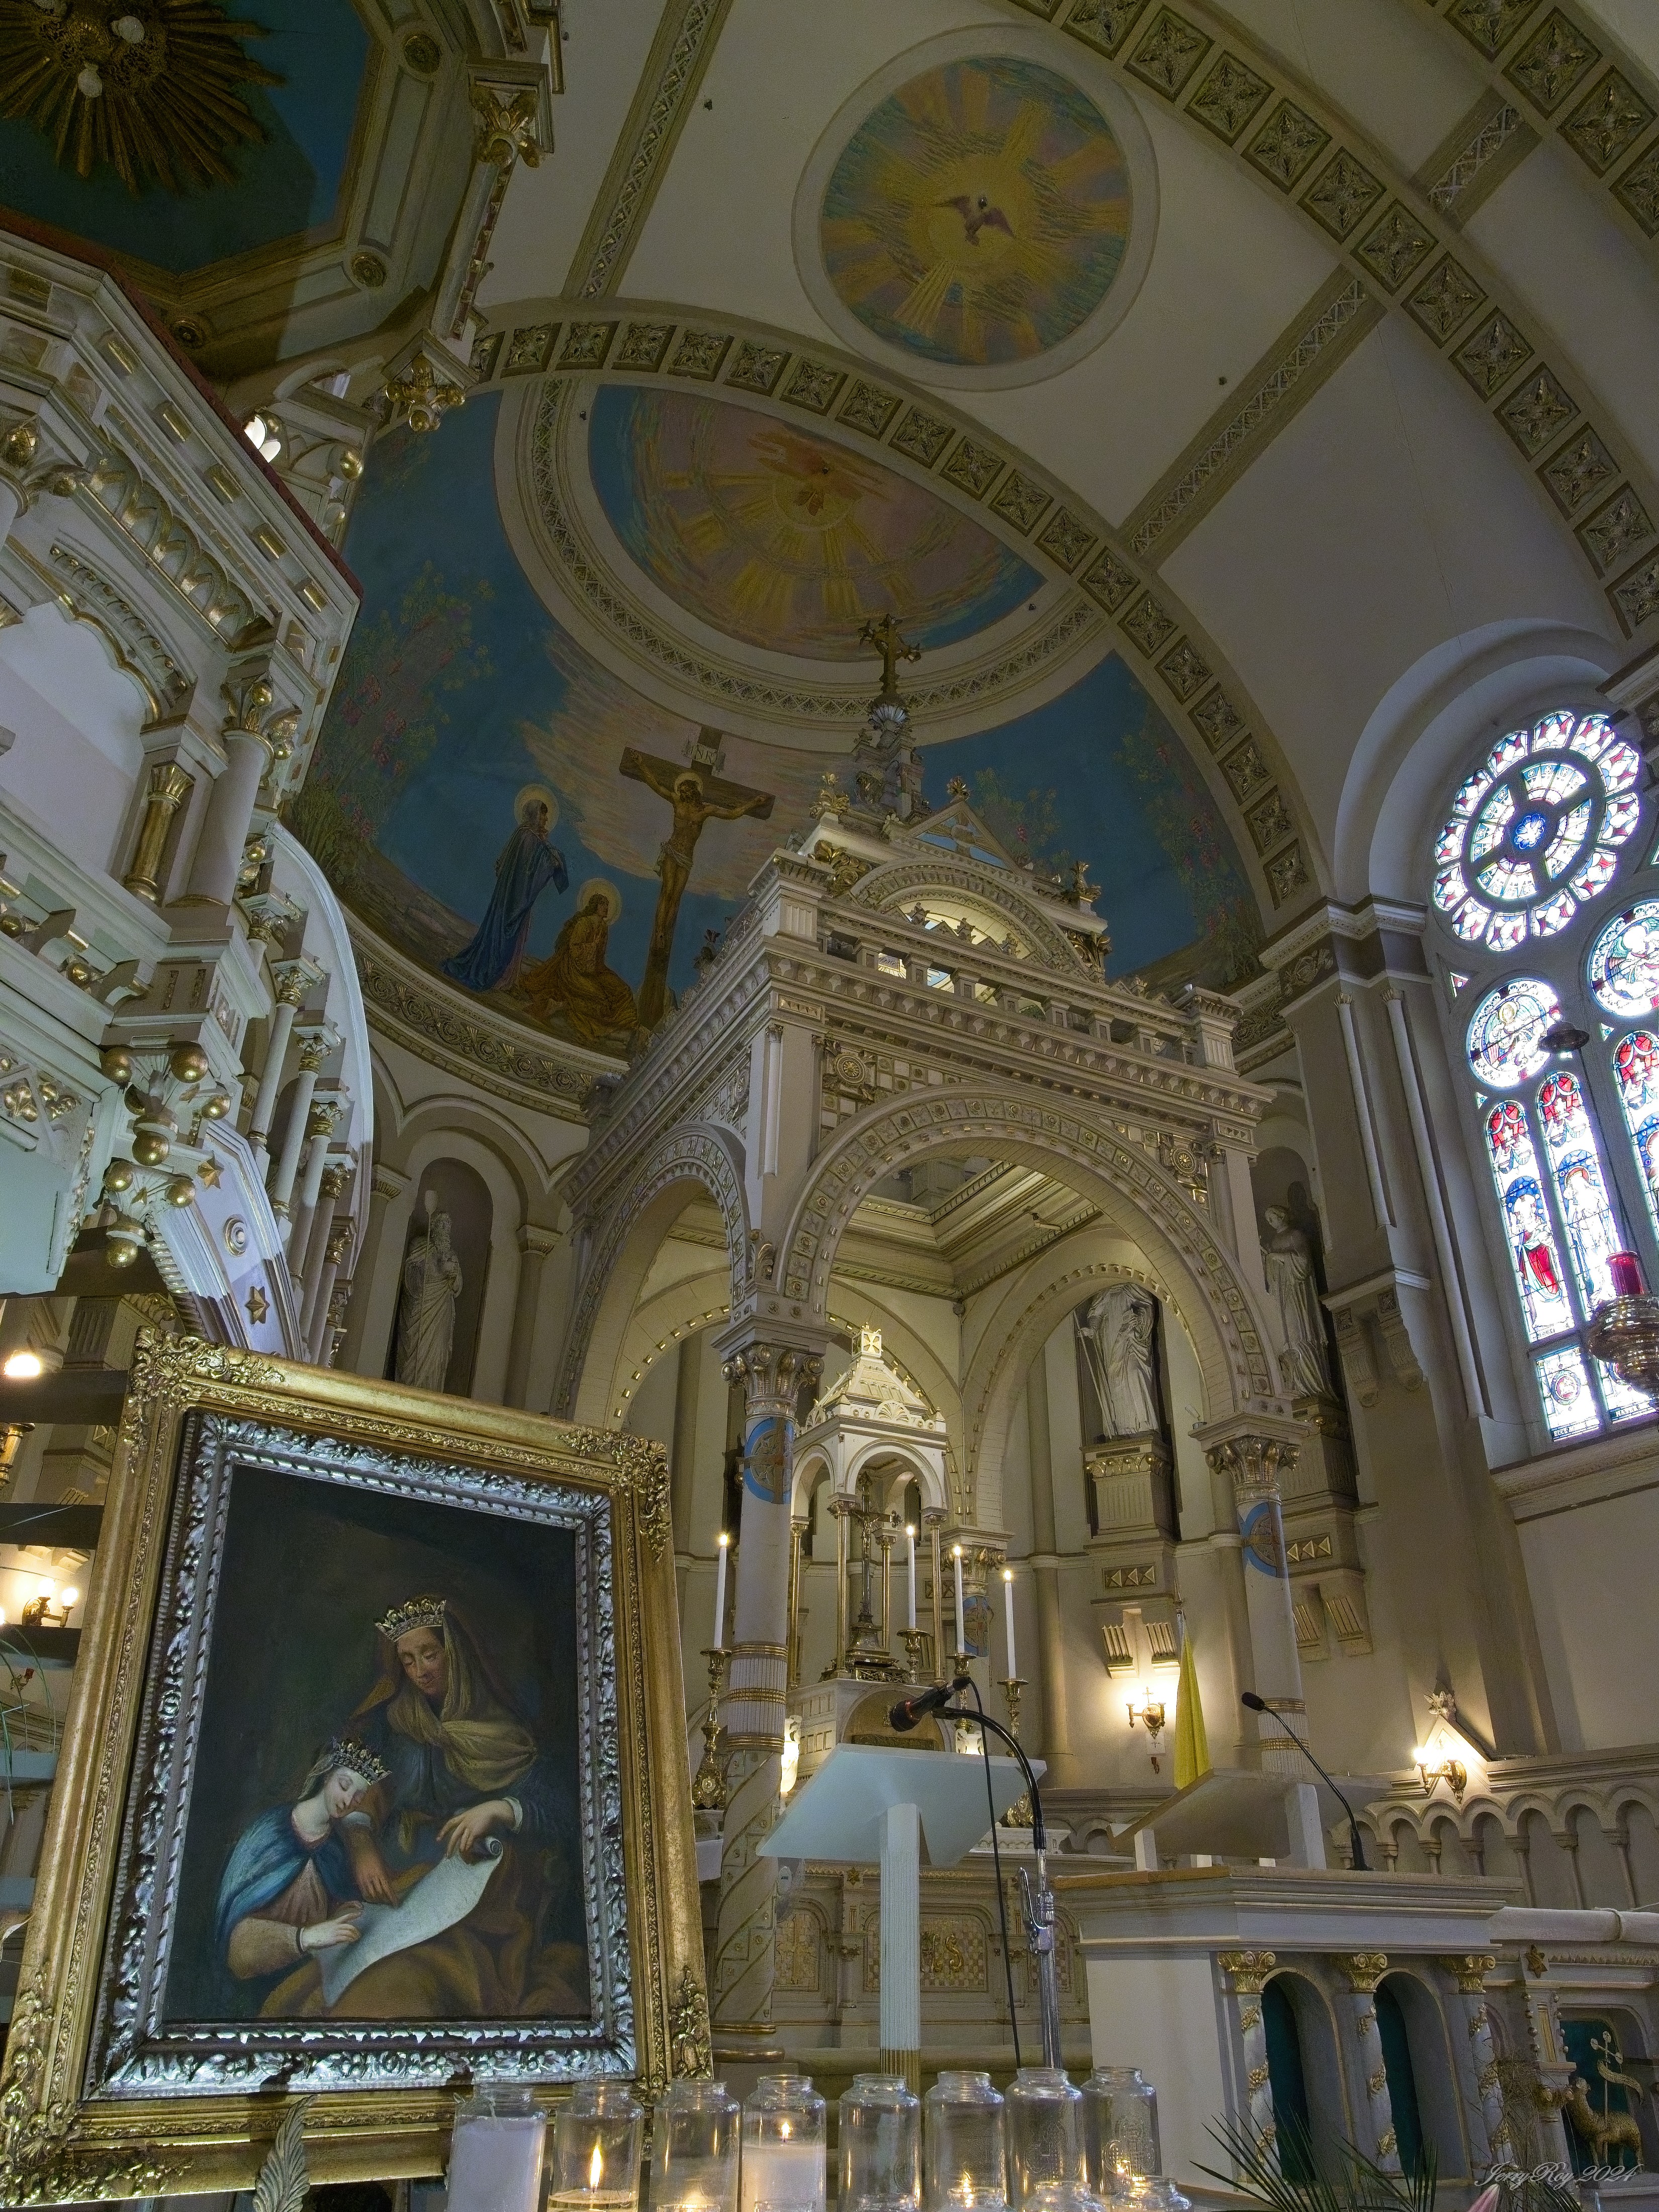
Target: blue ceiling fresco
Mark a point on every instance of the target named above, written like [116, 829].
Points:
[287, 183]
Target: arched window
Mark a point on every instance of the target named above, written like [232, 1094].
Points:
[1554, 982]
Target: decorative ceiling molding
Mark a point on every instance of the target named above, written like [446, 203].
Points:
[1487, 145]
[922, 435]
[1320, 337]
[1282, 132]
[1583, 86]
[673, 73]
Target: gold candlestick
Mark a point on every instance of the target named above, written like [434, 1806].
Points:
[1018, 1814]
[916, 1641]
[709, 1784]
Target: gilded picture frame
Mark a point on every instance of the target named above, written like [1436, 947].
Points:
[130, 2070]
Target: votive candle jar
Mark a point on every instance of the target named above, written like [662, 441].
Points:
[880, 2150]
[696, 2149]
[1120, 2128]
[496, 2150]
[964, 2128]
[1044, 2138]
[596, 2149]
[783, 2145]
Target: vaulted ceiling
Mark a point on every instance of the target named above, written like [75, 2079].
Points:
[1384, 388]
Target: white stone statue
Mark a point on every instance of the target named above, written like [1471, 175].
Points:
[426, 1310]
[1116, 1335]
[1287, 1259]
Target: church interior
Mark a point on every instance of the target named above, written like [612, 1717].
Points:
[892, 766]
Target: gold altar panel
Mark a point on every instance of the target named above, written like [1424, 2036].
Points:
[284, 1551]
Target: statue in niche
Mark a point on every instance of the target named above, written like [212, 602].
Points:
[426, 1307]
[1287, 1257]
[1115, 1333]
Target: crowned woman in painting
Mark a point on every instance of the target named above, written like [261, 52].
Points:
[288, 1892]
[464, 1776]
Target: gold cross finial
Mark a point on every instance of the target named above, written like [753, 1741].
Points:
[885, 636]
[870, 1344]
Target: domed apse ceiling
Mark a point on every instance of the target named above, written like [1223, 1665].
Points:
[985, 219]
[492, 798]
[287, 181]
[785, 541]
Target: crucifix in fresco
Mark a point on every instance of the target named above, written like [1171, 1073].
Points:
[698, 795]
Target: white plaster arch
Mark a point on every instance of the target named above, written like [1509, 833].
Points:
[1425, 722]
[934, 1492]
[1133, 1194]
[698, 1159]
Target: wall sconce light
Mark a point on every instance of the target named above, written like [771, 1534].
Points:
[1451, 1772]
[41, 1613]
[1149, 1711]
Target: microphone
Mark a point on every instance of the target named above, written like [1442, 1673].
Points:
[910, 1712]
[1260, 1705]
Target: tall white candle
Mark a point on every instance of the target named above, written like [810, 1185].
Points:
[961, 1624]
[719, 1639]
[1008, 1606]
[910, 1535]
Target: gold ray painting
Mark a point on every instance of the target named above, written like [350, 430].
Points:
[354, 1802]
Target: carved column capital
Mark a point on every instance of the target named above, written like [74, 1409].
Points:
[1469, 1971]
[1247, 1972]
[772, 1374]
[1364, 1969]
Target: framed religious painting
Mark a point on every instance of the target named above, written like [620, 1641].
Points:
[373, 1785]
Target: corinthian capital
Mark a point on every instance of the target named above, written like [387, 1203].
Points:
[1252, 1451]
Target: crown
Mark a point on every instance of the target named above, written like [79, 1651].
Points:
[425, 1612]
[346, 1751]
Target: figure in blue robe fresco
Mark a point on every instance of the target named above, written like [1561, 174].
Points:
[528, 864]
[289, 1891]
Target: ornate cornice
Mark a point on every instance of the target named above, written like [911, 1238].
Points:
[482, 1048]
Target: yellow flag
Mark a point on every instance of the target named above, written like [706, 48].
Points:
[1191, 1746]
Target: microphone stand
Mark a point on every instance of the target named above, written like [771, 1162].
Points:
[1261, 1705]
[1039, 1900]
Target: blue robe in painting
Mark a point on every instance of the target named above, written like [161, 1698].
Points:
[527, 865]
[269, 1858]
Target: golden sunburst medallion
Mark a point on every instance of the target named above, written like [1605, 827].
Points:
[147, 87]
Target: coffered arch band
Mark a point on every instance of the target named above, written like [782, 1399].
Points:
[1133, 1192]
[1104, 599]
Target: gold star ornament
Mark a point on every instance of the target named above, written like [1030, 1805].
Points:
[258, 1305]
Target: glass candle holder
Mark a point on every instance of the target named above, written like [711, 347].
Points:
[1120, 2128]
[880, 2145]
[694, 2163]
[1044, 2138]
[1149, 2192]
[783, 2145]
[596, 2149]
[965, 2139]
[496, 2150]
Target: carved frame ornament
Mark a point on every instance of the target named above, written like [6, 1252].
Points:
[102, 2095]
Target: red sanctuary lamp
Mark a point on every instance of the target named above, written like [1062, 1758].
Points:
[1625, 1331]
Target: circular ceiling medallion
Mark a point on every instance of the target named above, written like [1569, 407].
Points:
[788, 540]
[976, 214]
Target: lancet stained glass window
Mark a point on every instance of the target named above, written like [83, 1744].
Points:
[1563, 1051]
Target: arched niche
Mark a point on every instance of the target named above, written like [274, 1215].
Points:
[451, 1186]
[1417, 2053]
[1305, 2073]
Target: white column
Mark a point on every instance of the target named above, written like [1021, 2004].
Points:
[319, 1132]
[1439, 1227]
[229, 814]
[1489, 2127]
[901, 1943]
[289, 990]
[318, 1241]
[321, 1323]
[1249, 1452]
[534, 1246]
[1247, 1973]
[312, 1055]
[1363, 1971]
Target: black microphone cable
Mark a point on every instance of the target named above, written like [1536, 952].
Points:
[996, 1861]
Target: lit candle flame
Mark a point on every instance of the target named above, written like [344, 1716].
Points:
[595, 2167]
